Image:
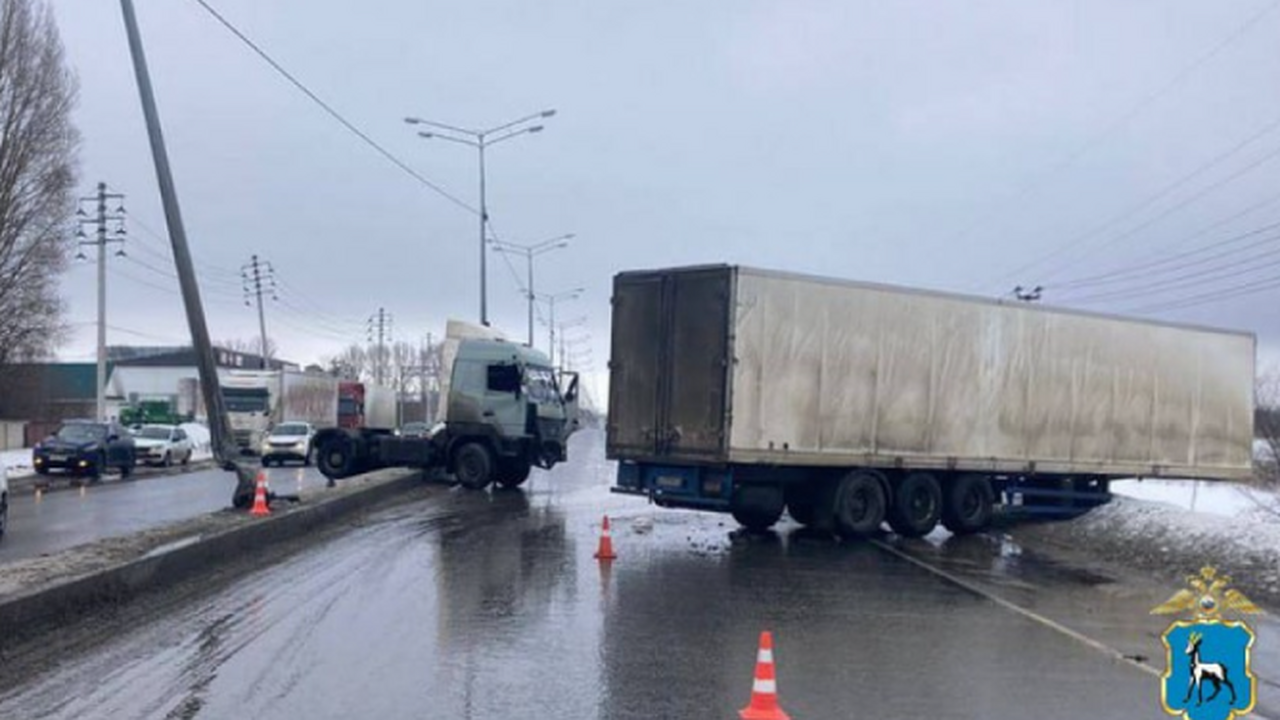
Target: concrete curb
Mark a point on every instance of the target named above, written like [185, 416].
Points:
[29, 612]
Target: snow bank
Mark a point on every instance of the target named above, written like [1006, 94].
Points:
[17, 462]
[1171, 541]
[199, 434]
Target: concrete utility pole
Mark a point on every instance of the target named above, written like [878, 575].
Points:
[481, 139]
[102, 218]
[224, 446]
[380, 327]
[255, 274]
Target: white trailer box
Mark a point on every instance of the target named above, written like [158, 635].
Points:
[308, 397]
[379, 406]
[723, 365]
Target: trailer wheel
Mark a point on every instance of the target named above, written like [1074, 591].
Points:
[513, 472]
[917, 505]
[860, 502]
[337, 457]
[473, 466]
[968, 504]
[757, 507]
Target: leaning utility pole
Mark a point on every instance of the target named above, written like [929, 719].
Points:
[102, 218]
[254, 274]
[224, 447]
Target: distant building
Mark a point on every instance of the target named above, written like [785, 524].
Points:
[44, 394]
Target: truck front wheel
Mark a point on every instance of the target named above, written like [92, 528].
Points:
[473, 465]
[859, 504]
[917, 505]
[337, 457]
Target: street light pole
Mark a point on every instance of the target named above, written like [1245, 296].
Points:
[530, 252]
[481, 139]
[551, 299]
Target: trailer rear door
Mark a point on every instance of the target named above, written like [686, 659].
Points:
[669, 361]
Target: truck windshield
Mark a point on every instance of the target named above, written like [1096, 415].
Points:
[540, 384]
[245, 400]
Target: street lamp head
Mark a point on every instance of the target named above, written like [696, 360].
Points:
[534, 129]
[412, 120]
[547, 113]
[426, 134]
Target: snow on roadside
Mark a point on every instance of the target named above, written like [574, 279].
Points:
[17, 462]
[1172, 541]
[199, 434]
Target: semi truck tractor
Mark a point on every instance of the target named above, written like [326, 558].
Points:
[506, 412]
[257, 400]
[849, 404]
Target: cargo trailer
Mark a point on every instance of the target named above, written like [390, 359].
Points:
[848, 404]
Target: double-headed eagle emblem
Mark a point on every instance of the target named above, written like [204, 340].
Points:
[1208, 596]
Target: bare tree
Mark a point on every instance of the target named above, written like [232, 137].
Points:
[38, 146]
[1266, 426]
[353, 363]
[248, 347]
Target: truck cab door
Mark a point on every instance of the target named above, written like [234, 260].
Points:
[504, 405]
[569, 396]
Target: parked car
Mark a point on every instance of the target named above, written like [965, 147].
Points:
[162, 445]
[4, 500]
[288, 441]
[86, 448]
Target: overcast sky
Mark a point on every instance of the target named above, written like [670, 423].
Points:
[965, 146]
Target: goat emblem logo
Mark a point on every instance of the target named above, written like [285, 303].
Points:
[1207, 671]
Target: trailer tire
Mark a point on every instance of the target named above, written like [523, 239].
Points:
[337, 457]
[757, 507]
[917, 505]
[512, 472]
[859, 504]
[473, 466]
[968, 505]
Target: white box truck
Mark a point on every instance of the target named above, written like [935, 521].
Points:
[848, 404]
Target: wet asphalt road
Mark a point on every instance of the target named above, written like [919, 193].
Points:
[466, 605]
[41, 523]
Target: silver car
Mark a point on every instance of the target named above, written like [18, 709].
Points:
[288, 441]
[162, 445]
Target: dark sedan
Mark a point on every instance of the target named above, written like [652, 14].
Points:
[86, 448]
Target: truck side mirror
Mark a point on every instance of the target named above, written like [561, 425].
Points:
[571, 393]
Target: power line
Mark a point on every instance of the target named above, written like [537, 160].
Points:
[1120, 273]
[334, 113]
[1199, 277]
[1253, 288]
[1035, 184]
[1078, 240]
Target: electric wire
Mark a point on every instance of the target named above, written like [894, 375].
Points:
[334, 113]
[1037, 183]
[1088, 238]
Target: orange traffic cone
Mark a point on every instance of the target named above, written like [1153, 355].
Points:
[260, 497]
[764, 689]
[605, 551]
